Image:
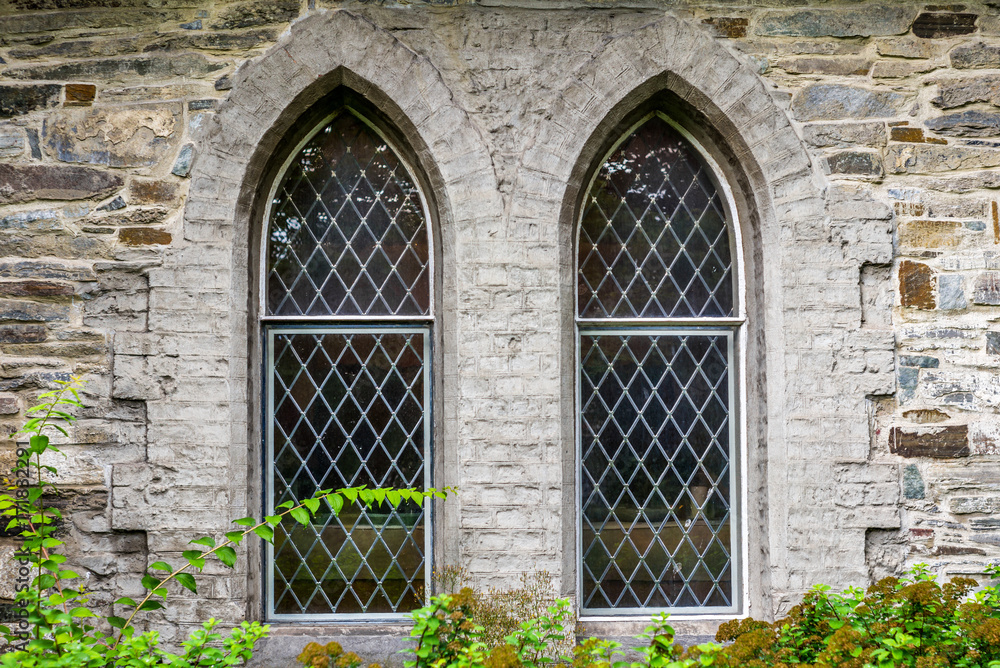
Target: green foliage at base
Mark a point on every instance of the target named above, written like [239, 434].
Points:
[898, 622]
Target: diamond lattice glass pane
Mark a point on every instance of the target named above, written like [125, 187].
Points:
[348, 410]
[347, 234]
[654, 239]
[657, 510]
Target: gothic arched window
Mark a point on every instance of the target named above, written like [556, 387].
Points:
[658, 324]
[347, 315]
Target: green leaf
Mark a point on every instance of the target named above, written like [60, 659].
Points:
[195, 558]
[273, 520]
[351, 493]
[285, 505]
[67, 575]
[187, 581]
[150, 582]
[235, 536]
[161, 566]
[336, 502]
[125, 600]
[81, 612]
[312, 505]
[300, 515]
[161, 592]
[394, 498]
[245, 522]
[227, 555]
[151, 605]
[208, 541]
[117, 622]
[265, 532]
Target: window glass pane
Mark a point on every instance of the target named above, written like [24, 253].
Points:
[654, 242]
[654, 429]
[347, 409]
[347, 234]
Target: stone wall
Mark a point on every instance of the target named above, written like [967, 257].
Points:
[864, 139]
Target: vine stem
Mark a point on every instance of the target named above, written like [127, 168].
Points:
[226, 543]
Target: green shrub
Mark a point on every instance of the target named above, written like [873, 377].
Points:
[59, 629]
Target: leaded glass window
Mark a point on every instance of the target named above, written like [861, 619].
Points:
[347, 325]
[657, 334]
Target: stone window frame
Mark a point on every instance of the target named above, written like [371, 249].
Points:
[674, 113]
[346, 99]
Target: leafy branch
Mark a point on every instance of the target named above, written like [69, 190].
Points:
[302, 513]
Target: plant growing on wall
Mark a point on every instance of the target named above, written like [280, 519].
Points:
[56, 625]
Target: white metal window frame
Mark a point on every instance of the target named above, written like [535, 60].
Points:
[736, 331]
[334, 324]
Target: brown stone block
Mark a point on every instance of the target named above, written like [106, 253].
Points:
[35, 289]
[945, 24]
[23, 183]
[919, 234]
[728, 26]
[940, 443]
[136, 136]
[80, 94]
[147, 191]
[23, 333]
[926, 415]
[143, 236]
[906, 134]
[916, 285]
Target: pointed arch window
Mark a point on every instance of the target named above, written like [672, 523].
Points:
[658, 327]
[347, 317]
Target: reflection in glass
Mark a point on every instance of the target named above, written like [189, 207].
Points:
[654, 428]
[654, 242]
[348, 410]
[347, 233]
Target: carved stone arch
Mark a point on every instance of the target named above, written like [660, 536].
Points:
[222, 217]
[783, 201]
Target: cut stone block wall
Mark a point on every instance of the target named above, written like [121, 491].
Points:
[862, 138]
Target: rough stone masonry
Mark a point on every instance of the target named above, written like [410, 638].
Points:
[866, 141]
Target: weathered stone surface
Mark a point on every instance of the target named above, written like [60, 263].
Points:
[118, 137]
[23, 333]
[80, 94]
[261, 12]
[921, 234]
[985, 88]
[8, 406]
[152, 191]
[951, 292]
[135, 216]
[16, 309]
[832, 66]
[23, 183]
[732, 27]
[993, 343]
[926, 415]
[908, 47]
[906, 134]
[986, 289]
[845, 134]
[855, 163]
[967, 505]
[854, 22]
[966, 124]
[33, 144]
[182, 166]
[975, 56]
[35, 289]
[898, 69]
[143, 236]
[45, 269]
[20, 100]
[11, 141]
[36, 220]
[920, 361]
[916, 285]
[913, 483]
[68, 246]
[221, 41]
[820, 102]
[115, 69]
[944, 24]
[940, 442]
[156, 93]
[84, 48]
[925, 159]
